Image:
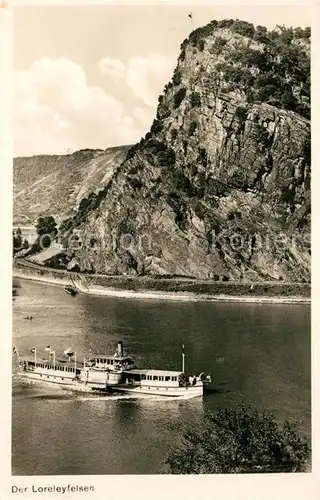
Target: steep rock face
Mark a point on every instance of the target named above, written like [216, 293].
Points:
[220, 186]
[54, 185]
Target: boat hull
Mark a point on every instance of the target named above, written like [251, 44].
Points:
[166, 392]
[67, 383]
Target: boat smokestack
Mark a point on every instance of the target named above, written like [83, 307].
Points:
[120, 348]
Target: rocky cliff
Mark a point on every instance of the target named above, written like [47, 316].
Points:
[220, 186]
[55, 184]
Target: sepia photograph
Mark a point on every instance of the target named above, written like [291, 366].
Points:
[161, 241]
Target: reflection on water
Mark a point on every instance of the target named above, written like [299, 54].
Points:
[256, 353]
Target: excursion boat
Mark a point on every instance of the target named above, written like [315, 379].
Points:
[109, 373]
[166, 383]
[51, 370]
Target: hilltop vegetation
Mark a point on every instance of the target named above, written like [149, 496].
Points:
[273, 67]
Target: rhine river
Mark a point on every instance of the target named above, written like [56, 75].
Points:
[258, 354]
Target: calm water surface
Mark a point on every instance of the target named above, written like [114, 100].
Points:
[256, 353]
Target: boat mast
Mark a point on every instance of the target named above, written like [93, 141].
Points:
[183, 359]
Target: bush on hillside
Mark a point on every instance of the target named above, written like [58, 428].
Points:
[240, 440]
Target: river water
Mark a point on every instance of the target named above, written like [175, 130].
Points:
[256, 353]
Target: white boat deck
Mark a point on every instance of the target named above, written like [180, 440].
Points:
[145, 371]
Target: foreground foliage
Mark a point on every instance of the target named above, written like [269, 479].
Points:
[240, 440]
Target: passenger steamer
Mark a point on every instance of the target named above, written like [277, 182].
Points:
[108, 373]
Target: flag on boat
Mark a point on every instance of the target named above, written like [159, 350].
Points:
[69, 352]
[190, 15]
[33, 349]
[48, 348]
[14, 350]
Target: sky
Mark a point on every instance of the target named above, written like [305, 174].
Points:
[90, 76]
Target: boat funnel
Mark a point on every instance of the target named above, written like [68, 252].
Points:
[120, 348]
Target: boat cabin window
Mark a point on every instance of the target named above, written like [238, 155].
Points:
[167, 378]
[155, 377]
[143, 377]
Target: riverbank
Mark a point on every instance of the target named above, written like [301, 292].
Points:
[168, 289]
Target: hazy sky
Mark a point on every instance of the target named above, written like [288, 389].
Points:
[90, 76]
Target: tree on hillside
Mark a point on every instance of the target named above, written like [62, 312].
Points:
[47, 225]
[17, 240]
[47, 230]
[240, 440]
